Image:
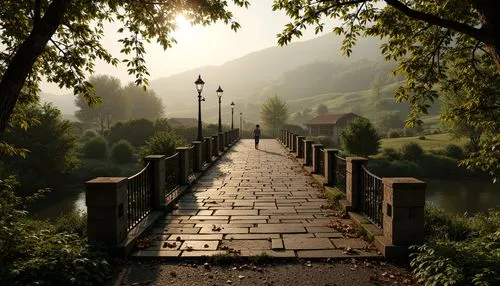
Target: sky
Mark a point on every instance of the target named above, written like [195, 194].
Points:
[201, 46]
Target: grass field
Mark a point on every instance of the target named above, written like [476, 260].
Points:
[431, 142]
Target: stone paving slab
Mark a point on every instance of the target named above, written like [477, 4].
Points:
[253, 202]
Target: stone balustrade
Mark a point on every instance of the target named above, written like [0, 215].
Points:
[402, 201]
[109, 204]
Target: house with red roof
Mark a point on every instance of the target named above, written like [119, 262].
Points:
[330, 124]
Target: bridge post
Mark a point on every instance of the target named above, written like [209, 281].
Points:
[226, 138]
[158, 168]
[308, 152]
[215, 145]
[183, 165]
[208, 149]
[300, 146]
[106, 200]
[403, 216]
[315, 157]
[287, 138]
[330, 166]
[290, 141]
[353, 172]
[294, 143]
[198, 161]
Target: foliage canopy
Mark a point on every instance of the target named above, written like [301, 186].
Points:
[359, 137]
[274, 113]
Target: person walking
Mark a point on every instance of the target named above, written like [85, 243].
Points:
[256, 135]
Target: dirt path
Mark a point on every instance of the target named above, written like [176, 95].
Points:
[299, 272]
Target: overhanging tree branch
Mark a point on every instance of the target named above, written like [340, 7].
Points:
[435, 20]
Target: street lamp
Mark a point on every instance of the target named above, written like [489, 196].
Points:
[199, 87]
[219, 94]
[232, 115]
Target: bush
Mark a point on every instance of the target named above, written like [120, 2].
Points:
[89, 134]
[421, 138]
[390, 153]
[411, 151]
[37, 253]
[122, 152]
[95, 148]
[162, 143]
[454, 151]
[394, 133]
[325, 140]
[464, 251]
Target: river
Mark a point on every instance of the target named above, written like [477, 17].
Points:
[453, 196]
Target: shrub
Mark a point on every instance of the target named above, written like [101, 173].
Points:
[360, 137]
[89, 134]
[95, 148]
[325, 140]
[162, 143]
[454, 151]
[390, 153]
[36, 253]
[468, 253]
[421, 138]
[411, 151]
[394, 133]
[122, 152]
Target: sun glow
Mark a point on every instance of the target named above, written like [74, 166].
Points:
[183, 25]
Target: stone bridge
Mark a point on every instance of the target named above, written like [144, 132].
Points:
[245, 201]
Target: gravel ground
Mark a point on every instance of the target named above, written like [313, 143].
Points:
[300, 272]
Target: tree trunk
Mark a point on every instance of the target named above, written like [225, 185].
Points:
[489, 11]
[21, 65]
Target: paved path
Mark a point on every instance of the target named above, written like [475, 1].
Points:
[253, 201]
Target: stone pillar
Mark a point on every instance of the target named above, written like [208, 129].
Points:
[208, 149]
[294, 143]
[226, 138]
[308, 152]
[317, 152]
[330, 166]
[300, 146]
[290, 141]
[215, 145]
[158, 168]
[403, 216]
[353, 171]
[221, 141]
[183, 165]
[198, 161]
[107, 206]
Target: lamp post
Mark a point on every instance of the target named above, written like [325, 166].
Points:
[219, 94]
[199, 87]
[232, 115]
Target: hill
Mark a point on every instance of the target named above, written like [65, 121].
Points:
[244, 78]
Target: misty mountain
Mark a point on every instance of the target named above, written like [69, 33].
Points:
[244, 78]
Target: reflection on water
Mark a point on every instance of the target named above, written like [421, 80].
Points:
[463, 196]
[59, 202]
[453, 196]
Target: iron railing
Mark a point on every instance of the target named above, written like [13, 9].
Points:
[371, 196]
[140, 196]
[340, 172]
[172, 168]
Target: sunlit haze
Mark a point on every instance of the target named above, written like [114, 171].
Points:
[199, 46]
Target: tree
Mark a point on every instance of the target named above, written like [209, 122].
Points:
[388, 121]
[274, 113]
[51, 145]
[359, 137]
[135, 131]
[321, 109]
[111, 108]
[142, 103]
[427, 38]
[61, 40]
